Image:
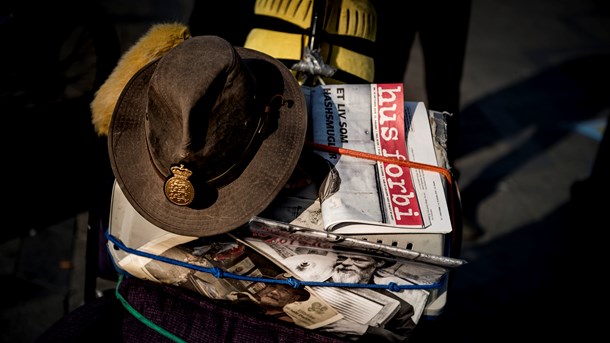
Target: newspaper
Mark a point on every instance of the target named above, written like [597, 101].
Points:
[379, 313]
[365, 196]
[295, 235]
[302, 307]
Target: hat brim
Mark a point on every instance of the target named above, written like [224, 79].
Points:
[238, 201]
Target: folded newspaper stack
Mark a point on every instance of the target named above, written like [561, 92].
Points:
[385, 178]
[196, 264]
[308, 283]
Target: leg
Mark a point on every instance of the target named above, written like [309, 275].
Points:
[395, 35]
[443, 38]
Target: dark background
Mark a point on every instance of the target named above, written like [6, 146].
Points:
[535, 102]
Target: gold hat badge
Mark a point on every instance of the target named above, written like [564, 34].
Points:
[178, 189]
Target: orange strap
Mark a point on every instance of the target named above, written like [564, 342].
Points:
[379, 158]
[392, 160]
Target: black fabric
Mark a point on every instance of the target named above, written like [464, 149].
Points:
[229, 19]
[187, 315]
[197, 319]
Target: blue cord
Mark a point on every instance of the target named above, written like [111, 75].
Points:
[219, 273]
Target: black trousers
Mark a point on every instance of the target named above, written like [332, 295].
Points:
[442, 27]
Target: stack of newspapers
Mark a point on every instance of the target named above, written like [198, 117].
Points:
[406, 205]
[363, 227]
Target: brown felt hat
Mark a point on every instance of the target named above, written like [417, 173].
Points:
[205, 137]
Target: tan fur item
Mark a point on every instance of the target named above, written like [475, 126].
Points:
[159, 39]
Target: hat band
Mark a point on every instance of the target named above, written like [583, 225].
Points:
[273, 106]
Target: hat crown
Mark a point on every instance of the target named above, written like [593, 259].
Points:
[202, 110]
